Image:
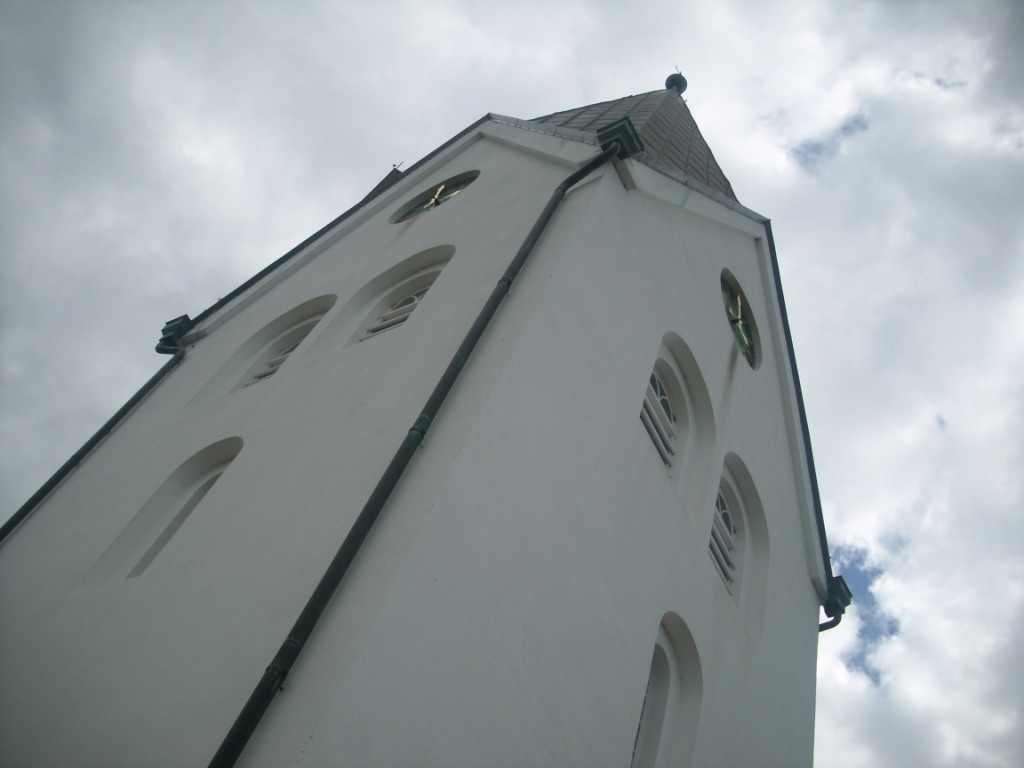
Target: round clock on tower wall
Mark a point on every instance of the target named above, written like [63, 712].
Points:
[435, 196]
[741, 319]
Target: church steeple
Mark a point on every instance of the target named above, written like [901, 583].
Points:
[593, 560]
[665, 125]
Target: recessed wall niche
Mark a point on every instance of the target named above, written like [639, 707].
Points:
[672, 699]
[363, 311]
[753, 571]
[266, 351]
[159, 519]
[694, 426]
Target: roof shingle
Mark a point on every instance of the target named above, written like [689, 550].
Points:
[666, 127]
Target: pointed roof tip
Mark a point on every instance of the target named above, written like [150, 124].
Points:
[393, 175]
[668, 131]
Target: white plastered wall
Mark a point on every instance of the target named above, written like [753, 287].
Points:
[505, 608]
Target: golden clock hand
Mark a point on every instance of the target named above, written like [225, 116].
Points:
[433, 201]
[743, 333]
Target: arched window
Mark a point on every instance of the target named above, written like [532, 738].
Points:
[738, 544]
[671, 706]
[652, 714]
[387, 301]
[668, 408]
[190, 497]
[160, 518]
[264, 352]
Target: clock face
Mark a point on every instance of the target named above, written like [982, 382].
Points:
[740, 320]
[436, 195]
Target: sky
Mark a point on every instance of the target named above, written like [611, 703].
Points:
[154, 154]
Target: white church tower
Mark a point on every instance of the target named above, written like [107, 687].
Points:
[325, 534]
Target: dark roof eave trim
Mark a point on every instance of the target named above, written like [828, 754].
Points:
[811, 472]
[699, 186]
[273, 266]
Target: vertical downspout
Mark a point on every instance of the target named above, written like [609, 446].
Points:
[617, 140]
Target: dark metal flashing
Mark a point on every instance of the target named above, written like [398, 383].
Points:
[804, 430]
[838, 594]
[172, 334]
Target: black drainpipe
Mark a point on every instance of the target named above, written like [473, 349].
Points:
[618, 140]
[81, 453]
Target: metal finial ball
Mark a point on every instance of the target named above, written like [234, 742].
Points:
[676, 82]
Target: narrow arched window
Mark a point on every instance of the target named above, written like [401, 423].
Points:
[153, 527]
[734, 541]
[671, 707]
[652, 714]
[738, 544]
[187, 500]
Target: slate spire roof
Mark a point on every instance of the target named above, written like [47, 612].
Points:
[665, 125]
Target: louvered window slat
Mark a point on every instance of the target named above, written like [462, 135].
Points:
[660, 418]
[723, 570]
[655, 435]
[723, 548]
[657, 415]
[282, 356]
[722, 545]
[397, 314]
[391, 322]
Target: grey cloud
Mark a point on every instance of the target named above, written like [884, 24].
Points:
[810, 154]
